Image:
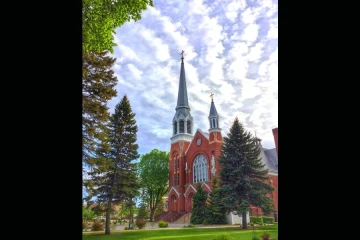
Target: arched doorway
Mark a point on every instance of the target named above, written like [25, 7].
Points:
[174, 203]
[190, 202]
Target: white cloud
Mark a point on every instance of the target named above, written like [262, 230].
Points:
[227, 52]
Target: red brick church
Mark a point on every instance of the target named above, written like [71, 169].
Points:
[194, 156]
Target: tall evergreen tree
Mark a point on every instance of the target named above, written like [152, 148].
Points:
[198, 214]
[117, 180]
[98, 87]
[215, 211]
[243, 175]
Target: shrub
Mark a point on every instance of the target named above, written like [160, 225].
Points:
[222, 236]
[265, 236]
[84, 225]
[255, 238]
[133, 226]
[163, 224]
[97, 226]
[189, 226]
[152, 224]
[140, 223]
[257, 220]
[126, 228]
[268, 220]
[205, 222]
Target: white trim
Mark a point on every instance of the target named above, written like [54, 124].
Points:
[181, 137]
[172, 188]
[188, 189]
[206, 186]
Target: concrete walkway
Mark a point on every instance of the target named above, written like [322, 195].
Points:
[172, 225]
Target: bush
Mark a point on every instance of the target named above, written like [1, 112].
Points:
[152, 224]
[133, 226]
[97, 226]
[257, 220]
[268, 220]
[140, 223]
[163, 224]
[255, 238]
[189, 226]
[126, 228]
[205, 222]
[265, 236]
[222, 236]
[84, 225]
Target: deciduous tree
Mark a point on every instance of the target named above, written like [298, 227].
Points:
[154, 174]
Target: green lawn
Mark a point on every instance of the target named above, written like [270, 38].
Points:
[182, 233]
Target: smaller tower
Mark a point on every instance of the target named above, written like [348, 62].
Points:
[257, 141]
[215, 138]
[213, 117]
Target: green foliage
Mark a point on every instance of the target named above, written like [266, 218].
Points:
[160, 208]
[133, 226]
[268, 220]
[222, 236]
[140, 223]
[255, 238]
[256, 220]
[98, 87]
[97, 226]
[198, 214]
[152, 224]
[125, 228]
[215, 211]
[153, 170]
[116, 181]
[265, 236]
[163, 224]
[142, 211]
[101, 18]
[243, 174]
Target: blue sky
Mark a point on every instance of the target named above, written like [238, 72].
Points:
[231, 49]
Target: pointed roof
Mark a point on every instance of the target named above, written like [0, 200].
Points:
[182, 94]
[213, 112]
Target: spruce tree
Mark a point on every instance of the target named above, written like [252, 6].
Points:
[98, 87]
[198, 214]
[243, 175]
[117, 181]
[215, 212]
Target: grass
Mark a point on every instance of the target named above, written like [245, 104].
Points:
[182, 233]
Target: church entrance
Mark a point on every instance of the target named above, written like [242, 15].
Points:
[175, 204]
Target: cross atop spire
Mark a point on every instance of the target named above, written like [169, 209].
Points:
[211, 95]
[182, 54]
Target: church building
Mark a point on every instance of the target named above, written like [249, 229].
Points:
[194, 156]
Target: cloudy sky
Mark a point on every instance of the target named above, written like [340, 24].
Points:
[231, 49]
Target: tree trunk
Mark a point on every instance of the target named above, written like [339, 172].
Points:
[152, 212]
[244, 222]
[107, 218]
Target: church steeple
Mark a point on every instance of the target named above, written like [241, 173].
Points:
[182, 122]
[182, 94]
[213, 116]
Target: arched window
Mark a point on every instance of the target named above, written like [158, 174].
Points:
[200, 168]
[188, 125]
[182, 126]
